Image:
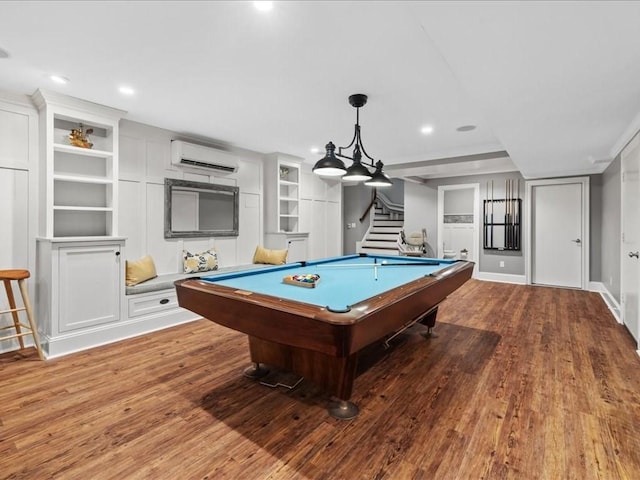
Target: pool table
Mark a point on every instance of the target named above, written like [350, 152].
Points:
[316, 331]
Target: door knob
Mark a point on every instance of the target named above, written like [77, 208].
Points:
[577, 240]
[633, 254]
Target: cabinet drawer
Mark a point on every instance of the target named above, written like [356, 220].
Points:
[157, 302]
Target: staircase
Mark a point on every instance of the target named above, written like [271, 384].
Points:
[383, 234]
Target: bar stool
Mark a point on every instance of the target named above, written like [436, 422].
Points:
[20, 275]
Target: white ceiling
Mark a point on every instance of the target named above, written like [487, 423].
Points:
[556, 85]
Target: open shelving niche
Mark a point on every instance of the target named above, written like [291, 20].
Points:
[80, 184]
[289, 198]
[282, 206]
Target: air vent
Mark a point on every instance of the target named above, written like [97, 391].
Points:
[209, 166]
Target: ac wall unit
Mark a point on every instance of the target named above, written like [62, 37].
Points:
[197, 157]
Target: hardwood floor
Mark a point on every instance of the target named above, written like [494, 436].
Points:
[523, 382]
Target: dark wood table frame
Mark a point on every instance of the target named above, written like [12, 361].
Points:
[312, 341]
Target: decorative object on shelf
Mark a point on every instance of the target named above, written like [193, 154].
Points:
[502, 218]
[79, 137]
[331, 166]
[284, 171]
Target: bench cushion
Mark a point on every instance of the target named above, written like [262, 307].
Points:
[166, 280]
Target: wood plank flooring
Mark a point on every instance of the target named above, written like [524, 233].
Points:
[522, 382]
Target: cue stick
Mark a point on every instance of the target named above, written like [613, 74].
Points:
[485, 212]
[507, 227]
[492, 198]
[518, 212]
[510, 212]
[513, 212]
[506, 213]
[383, 264]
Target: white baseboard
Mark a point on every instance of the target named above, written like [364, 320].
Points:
[72, 342]
[501, 277]
[609, 299]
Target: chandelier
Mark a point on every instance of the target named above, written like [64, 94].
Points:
[331, 166]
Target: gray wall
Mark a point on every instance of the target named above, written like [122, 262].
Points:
[610, 228]
[421, 200]
[395, 193]
[420, 210]
[595, 228]
[355, 199]
[489, 260]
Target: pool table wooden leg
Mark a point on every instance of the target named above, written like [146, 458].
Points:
[429, 320]
[335, 375]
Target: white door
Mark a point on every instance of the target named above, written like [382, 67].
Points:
[630, 264]
[559, 243]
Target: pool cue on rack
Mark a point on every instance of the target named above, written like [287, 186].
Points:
[517, 216]
[492, 198]
[506, 214]
[507, 227]
[485, 213]
[513, 213]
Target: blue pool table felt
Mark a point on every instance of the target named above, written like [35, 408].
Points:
[344, 281]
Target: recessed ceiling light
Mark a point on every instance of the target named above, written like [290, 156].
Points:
[315, 150]
[427, 130]
[263, 6]
[466, 128]
[126, 90]
[4, 53]
[59, 79]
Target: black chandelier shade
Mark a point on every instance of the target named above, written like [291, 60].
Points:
[331, 166]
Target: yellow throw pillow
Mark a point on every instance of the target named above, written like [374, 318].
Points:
[271, 257]
[200, 262]
[140, 271]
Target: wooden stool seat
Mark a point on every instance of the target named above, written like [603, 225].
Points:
[14, 274]
[7, 276]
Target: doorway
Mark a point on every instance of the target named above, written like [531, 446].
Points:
[459, 222]
[558, 218]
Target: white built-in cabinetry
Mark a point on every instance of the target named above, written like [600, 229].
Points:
[282, 190]
[79, 268]
[321, 213]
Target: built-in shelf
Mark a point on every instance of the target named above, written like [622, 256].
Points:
[82, 179]
[82, 209]
[87, 152]
[80, 185]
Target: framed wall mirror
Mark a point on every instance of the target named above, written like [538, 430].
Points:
[197, 209]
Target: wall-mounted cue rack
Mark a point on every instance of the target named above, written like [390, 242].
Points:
[502, 227]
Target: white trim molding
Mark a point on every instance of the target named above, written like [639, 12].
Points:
[501, 277]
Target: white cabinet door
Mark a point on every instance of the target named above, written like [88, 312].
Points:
[89, 286]
[297, 250]
[317, 234]
[334, 229]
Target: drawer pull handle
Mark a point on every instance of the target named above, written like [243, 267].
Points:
[164, 301]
